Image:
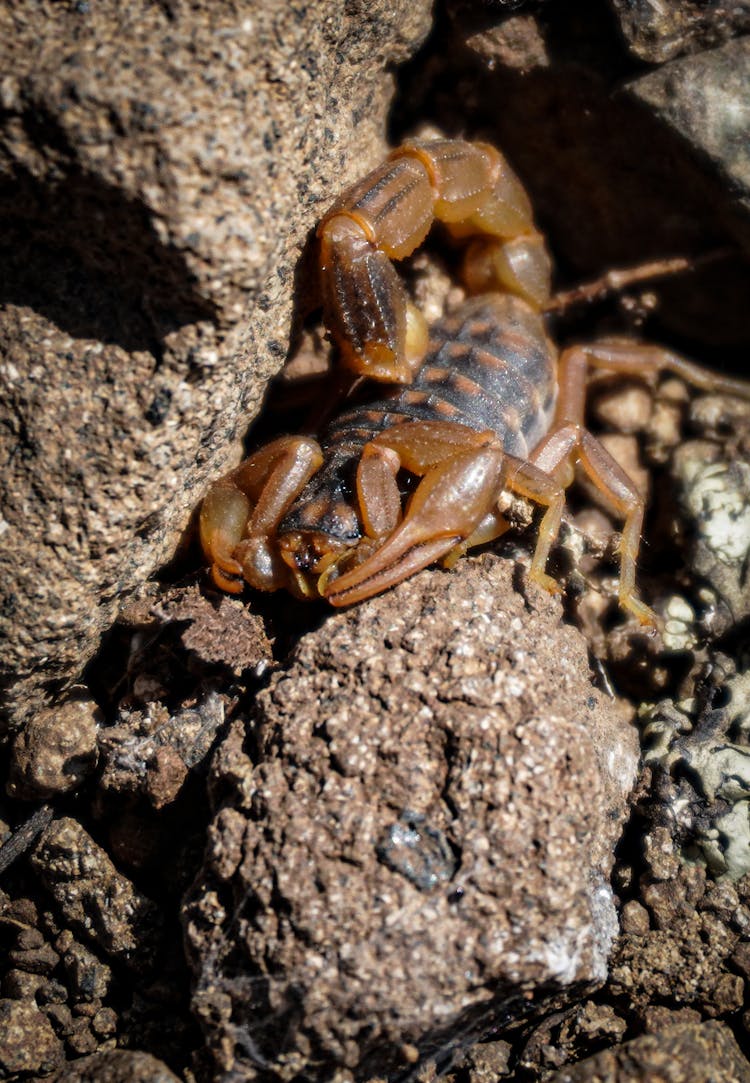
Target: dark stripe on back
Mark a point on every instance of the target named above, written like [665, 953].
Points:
[392, 203]
[489, 366]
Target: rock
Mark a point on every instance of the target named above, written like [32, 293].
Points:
[95, 899]
[488, 1062]
[703, 762]
[160, 170]
[221, 630]
[27, 1041]
[516, 42]
[713, 490]
[426, 839]
[559, 1038]
[682, 952]
[704, 98]
[691, 1053]
[56, 751]
[117, 1066]
[89, 978]
[39, 959]
[659, 32]
[151, 752]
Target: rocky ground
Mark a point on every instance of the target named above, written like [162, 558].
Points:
[464, 830]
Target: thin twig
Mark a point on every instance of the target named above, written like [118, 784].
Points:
[24, 836]
[614, 281]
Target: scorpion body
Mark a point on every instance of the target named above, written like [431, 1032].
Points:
[490, 366]
[480, 408]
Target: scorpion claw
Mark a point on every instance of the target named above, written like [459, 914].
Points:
[452, 499]
[389, 565]
[224, 514]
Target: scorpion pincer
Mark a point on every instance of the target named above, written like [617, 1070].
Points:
[480, 406]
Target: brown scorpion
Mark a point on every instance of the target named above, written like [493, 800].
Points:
[479, 407]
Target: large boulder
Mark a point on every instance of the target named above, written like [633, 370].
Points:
[161, 166]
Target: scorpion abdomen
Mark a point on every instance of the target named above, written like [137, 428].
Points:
[488, 366]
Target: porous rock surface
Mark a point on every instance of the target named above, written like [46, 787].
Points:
[56, 751]
[659, 32]
[687, 1053]
[27, 1041]
[426, 837]
[117, 1066]
[161, 166]
[93, 897]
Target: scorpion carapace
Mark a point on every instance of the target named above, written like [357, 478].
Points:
[479, 407]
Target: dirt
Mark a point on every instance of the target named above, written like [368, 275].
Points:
[249, 838]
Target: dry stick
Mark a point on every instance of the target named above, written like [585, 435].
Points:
[24, 836]
[614, 281]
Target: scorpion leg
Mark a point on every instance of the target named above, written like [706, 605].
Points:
[463, 474]
[377, 492]
[641, 359]
[568, 443]
[241, 510]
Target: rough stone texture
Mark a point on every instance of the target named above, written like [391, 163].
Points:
[117, 1066]
[56, 751]
[426, 839]
[27, 1041]
[88, 1004]
[611, 186]
[561, 1036]
[698, 750]
[221, 630]
[660, 31]
[516, 42]
[89, 978]
[705, 99]
[713, 489]
[150, 752]
[160, 168]
[696, 1053]
[681, 953]
[94, 898]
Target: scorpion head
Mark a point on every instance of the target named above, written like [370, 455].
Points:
[249, 539]
[322, 530]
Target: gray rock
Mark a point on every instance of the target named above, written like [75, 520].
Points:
[713, 489]
[704, 98]
[660, 31]
[704, 754]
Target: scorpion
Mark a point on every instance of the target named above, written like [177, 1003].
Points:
[480, 406]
